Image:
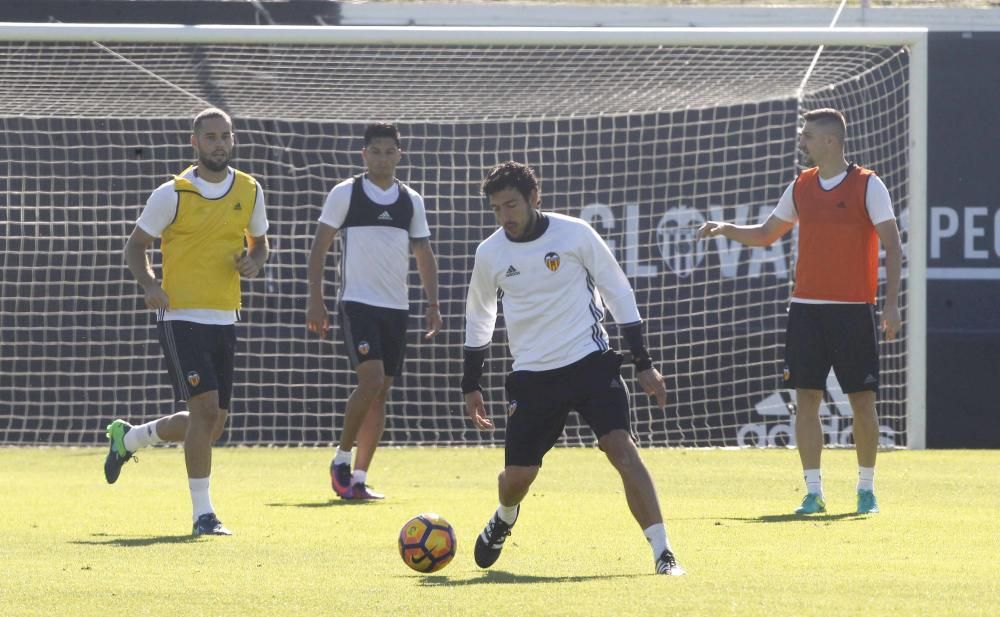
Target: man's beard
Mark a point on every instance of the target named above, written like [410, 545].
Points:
[211, 165]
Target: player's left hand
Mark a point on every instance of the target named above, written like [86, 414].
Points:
[891, 321]
[434, 321]
[652, 384]
[247, 265]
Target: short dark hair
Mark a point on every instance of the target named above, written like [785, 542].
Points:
[830, 118]
[381, 129]
[205, 114]
[510, 175]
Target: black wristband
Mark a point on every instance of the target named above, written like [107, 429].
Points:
[632, 333]
[472, 369]
[642, 362]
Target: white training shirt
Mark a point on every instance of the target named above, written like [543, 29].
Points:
[375, 261]
[551, 289]
[159, 213]
[878, 203]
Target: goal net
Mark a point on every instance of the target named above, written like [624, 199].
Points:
[645, 134]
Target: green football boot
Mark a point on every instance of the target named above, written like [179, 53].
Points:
[117, 454]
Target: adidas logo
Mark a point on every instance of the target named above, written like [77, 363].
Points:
[237, 206]
[385, 216]
[870, 379]
[511, 271]
[841, 204]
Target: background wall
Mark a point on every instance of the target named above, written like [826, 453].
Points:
[963, 293]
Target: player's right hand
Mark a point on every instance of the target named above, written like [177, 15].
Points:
[652, 384]
[476, 408]
[156, 298]
[317, 319]
[710, 229]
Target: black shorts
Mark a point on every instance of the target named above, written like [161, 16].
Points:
[374, 333]
[842, 336]
[199, 358]
[538, 403]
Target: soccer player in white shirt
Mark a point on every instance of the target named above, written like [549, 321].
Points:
[380, 221]
[552, 272]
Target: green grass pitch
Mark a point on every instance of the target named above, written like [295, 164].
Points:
[72, 545]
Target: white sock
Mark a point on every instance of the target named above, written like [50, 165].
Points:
[342, 457]
[656, 535]
[359, 476]
[814, 481]
[201, 503]
[142, 436]
[866, 478]
[507, 514]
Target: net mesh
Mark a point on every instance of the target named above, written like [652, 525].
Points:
[644, 142]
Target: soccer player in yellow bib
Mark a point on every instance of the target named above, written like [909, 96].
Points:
[211, 223]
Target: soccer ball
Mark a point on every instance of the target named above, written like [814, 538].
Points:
[427, 542]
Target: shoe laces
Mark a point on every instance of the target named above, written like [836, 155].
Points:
[497, 530]
[666, 562]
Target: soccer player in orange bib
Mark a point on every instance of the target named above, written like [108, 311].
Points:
[843, 211]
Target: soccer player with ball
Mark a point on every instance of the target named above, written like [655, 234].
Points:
[552, 272]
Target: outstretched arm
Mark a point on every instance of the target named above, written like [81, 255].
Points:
[427, 268]
[763, 234]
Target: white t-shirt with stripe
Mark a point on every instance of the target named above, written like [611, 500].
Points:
[553, 290]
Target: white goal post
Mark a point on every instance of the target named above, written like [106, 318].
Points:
[645, 132]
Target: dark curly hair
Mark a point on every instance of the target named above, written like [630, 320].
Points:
[510, 175]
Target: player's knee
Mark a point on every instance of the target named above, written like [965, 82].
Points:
[620, 450]
[204, 412]
[383, 391]
[372, 381]
[517, 479]
[220, 425]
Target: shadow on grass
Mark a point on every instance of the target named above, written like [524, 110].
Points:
[798, 518]
[500, 577]
[124, 541]
[334, 502]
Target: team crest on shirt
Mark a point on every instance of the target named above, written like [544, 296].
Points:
[552, 261]
[511, 408]
[364, 348]
[194, 379]
[787, 374]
